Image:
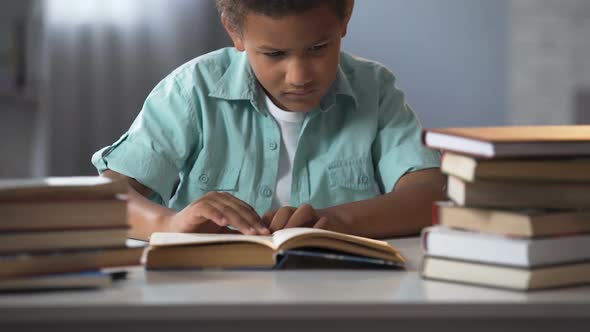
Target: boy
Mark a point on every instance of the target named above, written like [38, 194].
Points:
[281, 131]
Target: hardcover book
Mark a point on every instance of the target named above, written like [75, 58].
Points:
[186, 251]
[519, 194]
[29, 265]
[470, 169]
[440, 241]
[513, 222]
[63, 214]
[62, 188]
[82, 280]
[507, 277]
[11, 242]
[512, 141]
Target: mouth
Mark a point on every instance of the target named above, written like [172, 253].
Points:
[300, 94]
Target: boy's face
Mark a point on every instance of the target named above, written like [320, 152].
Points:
[295, 58]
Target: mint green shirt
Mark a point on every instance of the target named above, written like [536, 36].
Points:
[206, 128]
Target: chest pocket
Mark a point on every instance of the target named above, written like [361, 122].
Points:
[210, 174]
[355, 174]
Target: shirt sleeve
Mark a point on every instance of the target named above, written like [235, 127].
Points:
[158, 143]
[398, 147]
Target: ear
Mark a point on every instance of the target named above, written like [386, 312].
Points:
[347, 18]
[235, 36]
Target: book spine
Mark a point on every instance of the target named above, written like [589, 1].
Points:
[435, 214]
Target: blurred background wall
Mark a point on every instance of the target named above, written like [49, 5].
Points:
[449, 56]
[549, 62]
[17, 113]
[73, 74]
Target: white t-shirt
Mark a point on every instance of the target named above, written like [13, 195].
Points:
[290, 124]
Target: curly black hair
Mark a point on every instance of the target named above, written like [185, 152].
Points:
[236, 10]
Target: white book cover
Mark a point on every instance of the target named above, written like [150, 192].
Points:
[75, 181]
[465, 245]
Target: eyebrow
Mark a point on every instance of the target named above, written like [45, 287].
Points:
[269, 48]
[274, 49]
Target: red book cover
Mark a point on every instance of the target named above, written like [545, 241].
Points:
[434, 213]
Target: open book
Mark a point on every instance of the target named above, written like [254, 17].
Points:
[185, 251]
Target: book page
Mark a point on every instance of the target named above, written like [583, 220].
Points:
[160, 239]
[297, 238]
[284, 235]
[281, 236]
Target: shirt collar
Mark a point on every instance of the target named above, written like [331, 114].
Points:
[239, 83]
[340, 87]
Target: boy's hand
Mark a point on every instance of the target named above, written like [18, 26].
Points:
[222, 209]
[289, 217]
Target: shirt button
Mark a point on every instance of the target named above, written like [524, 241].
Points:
[273, 145]
[364, 179]
[266, 191]
[203, 178]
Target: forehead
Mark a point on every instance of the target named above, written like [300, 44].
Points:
[306, 28]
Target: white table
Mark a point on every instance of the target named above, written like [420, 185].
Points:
[297, 301]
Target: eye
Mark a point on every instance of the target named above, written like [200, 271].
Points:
[319, 47]
[275, 54]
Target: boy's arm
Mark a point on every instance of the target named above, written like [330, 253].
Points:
[209, 214]
[144, 216]
[404, 211]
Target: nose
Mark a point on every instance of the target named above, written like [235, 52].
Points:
[298, 73]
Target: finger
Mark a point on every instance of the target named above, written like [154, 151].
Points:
[281, 217]
[209, 226]
[240, 202]
[226, 230]
[246, 212]
[267, 217]
[304, 216]
[228, 215]
[233, 218]
[191, 225]
[322, 223]
[204, 209]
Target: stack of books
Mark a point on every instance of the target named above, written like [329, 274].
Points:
[519, 209]
[53, 229]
